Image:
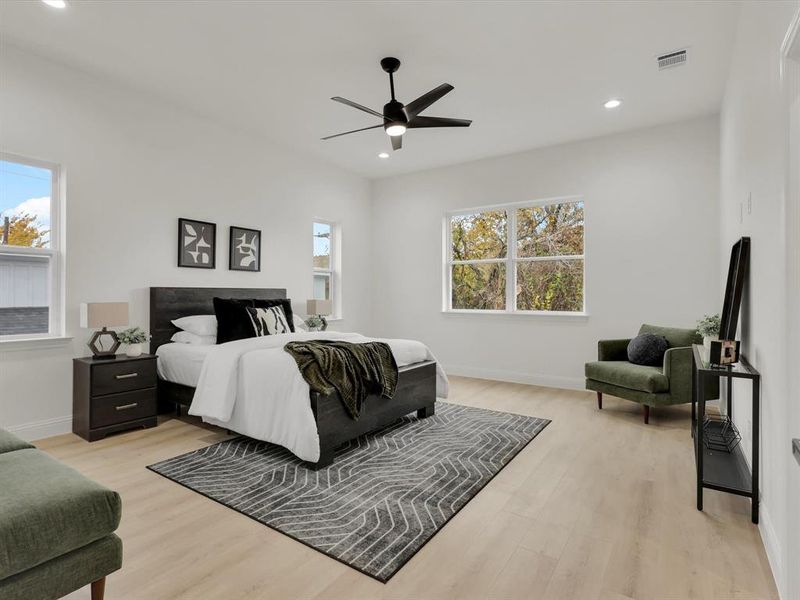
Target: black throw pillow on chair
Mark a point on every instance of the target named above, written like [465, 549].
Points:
[648, 349]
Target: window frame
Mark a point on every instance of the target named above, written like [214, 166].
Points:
[334, 268]
[511, 259]
[55, 253]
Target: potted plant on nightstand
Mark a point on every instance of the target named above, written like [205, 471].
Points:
[315, 323]
[708, 327]
[133, 338]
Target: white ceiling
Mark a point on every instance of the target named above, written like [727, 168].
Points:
[528, 74]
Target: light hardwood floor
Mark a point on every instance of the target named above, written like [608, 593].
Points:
[598, 506]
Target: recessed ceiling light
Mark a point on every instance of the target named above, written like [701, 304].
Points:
[56, 3]
[613, 103]
[383, 155]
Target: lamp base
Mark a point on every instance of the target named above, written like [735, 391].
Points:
[99, 352]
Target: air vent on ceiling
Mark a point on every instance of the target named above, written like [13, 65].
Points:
[672, 59]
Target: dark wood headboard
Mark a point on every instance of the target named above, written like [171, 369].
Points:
[168, 303]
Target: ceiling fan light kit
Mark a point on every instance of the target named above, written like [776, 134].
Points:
[398, 118]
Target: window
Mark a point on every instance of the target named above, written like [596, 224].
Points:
[517, 258]
[30, 257]
[326, 265]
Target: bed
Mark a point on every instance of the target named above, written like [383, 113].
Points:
[181, 369]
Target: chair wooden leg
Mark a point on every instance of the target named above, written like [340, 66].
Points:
[646, 414]
[98, 589]
[599, 401]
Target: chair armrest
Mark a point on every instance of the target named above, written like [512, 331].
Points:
[678, 369]
[613, 349]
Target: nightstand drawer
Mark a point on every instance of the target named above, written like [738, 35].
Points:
[118, 408]
[112, 378]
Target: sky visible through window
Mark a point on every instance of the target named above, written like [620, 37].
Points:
[25, 190]
[322, 239]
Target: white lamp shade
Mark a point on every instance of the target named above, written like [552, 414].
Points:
[318, 307]
[95, 315]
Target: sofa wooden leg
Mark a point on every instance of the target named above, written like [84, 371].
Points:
[98, 589]
[599, 401]
[646, 414]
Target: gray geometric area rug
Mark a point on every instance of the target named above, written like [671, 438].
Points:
[384, 497]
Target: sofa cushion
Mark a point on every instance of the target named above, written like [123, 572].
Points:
[624, 374]
[675, 336]
[48, 509]
[9, 442]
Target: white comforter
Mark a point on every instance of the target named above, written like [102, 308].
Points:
[254, 387]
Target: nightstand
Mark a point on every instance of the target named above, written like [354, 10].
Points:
[113, 395]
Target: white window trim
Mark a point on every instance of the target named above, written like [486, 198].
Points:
[335, 270]
[56, 281]
[510, 260]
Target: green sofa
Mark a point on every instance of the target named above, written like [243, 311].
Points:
[668, 384]
[56, 526]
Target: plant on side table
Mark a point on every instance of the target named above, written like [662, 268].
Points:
[134, 338]
[708, 327]
[315, 323]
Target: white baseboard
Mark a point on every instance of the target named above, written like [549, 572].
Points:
[554, 381]
[772, 546]
[38, 430]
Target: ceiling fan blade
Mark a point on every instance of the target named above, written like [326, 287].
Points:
[353, 131]
[397, 142]
[358, 106]
[415, 107]
[438, 122]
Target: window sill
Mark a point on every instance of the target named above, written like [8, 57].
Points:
[39, 343]
[578, 316]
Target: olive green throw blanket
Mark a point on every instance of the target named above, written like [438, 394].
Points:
[353, 370]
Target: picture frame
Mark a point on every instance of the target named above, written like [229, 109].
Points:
[197, 244]
[244, 249]
[724, 352]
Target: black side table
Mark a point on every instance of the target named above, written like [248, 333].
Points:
[720, 470]
[113, 395]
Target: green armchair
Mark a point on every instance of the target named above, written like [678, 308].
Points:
[668, 384]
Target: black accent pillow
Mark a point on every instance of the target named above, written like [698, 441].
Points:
[233, 322]
[284, 303]
[647, 349]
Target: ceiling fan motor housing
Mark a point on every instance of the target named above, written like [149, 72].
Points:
[394, 114]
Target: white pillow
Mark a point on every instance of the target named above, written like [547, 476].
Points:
[299, 324]
[198, 324]
[186, 337]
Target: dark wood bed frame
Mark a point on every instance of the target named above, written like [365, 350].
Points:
[416, 386]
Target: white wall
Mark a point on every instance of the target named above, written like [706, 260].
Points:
[754, 164]
[133, 166]
[651, 248]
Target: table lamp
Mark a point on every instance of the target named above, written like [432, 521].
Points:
[320, 308]
[102, 315]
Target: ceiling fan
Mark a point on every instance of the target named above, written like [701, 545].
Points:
[397, 117]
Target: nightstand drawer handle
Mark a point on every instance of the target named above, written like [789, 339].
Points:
[126, 375]
[127, 406]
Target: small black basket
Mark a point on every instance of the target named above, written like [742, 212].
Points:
[719, 433]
